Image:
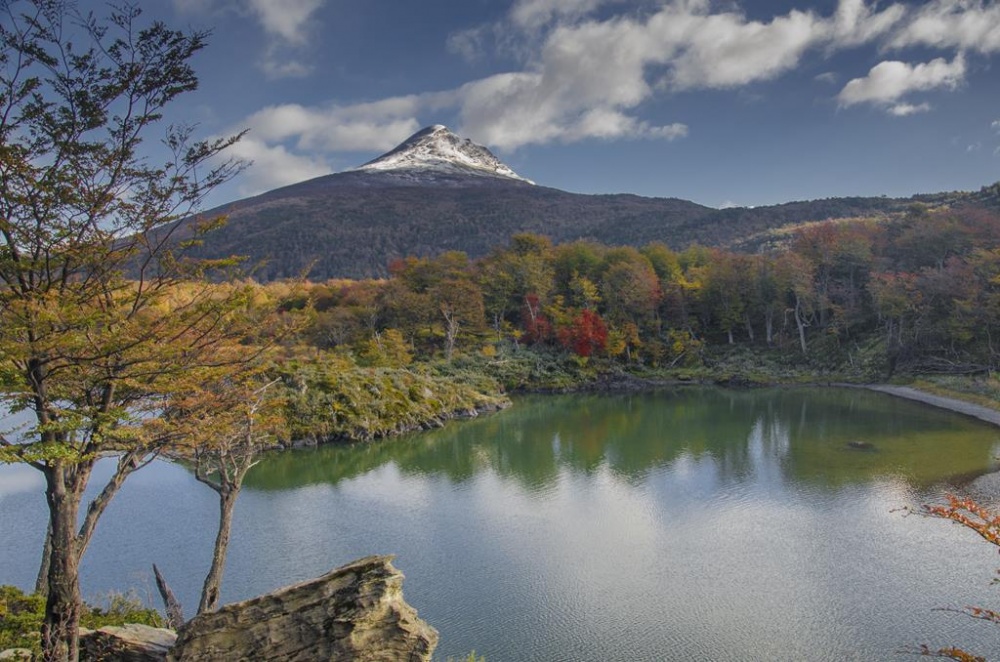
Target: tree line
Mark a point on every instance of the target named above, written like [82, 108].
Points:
[922, 289]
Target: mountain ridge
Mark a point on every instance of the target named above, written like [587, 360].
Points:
[354, 223]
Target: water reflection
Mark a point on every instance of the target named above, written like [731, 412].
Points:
[691, 524]
[819, 437]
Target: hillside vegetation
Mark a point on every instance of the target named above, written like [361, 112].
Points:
[865, 300]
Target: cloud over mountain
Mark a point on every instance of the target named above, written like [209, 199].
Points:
[587, 69]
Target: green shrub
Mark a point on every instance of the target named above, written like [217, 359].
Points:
[360, 404]
[118, 609]
[21, 616]
[20, 619]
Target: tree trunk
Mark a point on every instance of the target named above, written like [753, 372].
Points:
[451, 333]
[175, 613]
[42, 581]
[801, 324]
[213, 580]
[60, 629]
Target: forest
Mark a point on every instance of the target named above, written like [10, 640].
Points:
[918, 293]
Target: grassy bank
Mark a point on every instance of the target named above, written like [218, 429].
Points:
[982, 390]
[330, 402]
[330, 398]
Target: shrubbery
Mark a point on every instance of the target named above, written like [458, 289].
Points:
[21, 616]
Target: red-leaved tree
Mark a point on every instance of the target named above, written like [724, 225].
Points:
[586, 335]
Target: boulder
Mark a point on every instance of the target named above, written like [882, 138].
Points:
[355, 612]
[127, 643]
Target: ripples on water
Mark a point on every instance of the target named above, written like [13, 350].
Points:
[695, 524]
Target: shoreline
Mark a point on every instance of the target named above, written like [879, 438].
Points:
[985, 488]
[951, 404]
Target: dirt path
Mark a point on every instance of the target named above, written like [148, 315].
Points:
[960, 406]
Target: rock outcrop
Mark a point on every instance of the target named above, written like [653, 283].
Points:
[128, 643]
[355, 612]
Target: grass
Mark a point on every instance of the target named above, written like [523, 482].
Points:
[982, 390]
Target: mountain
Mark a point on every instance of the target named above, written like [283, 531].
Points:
[437, 192]
[436, 155]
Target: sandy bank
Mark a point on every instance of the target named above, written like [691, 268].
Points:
[952, 404]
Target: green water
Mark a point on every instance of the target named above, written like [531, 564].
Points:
[687, 524]
[807, 433]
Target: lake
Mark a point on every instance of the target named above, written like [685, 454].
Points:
[683, 524]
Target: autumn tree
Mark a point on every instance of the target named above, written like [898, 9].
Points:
[460, 302]
[795, 273]
[630, 288]
[986, 524]
[518, 278]
[585, 335]
[230, 422]
[725, 295]
[435, 291]
[95, 332]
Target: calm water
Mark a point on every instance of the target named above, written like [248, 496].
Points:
[695, 524]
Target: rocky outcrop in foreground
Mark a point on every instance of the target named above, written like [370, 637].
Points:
[355, 612]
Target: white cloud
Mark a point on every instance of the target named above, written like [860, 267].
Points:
[535, 14]
[889, 81]
[610, 124]
[585, 68]
[361, 127]
[587, 74]
[288, 24]
[292, 142]
[906, 109]
[856, 23]
[587, 71]
[468, 43]
[726, 50]
[962, 24]
[274, 165]
[274, 66]
[286, 19]
[995, 125]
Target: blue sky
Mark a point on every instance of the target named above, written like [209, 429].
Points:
[718, 102]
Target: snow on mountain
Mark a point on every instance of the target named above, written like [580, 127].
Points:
[437, 151]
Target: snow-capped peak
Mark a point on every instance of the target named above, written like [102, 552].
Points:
[435, 149]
